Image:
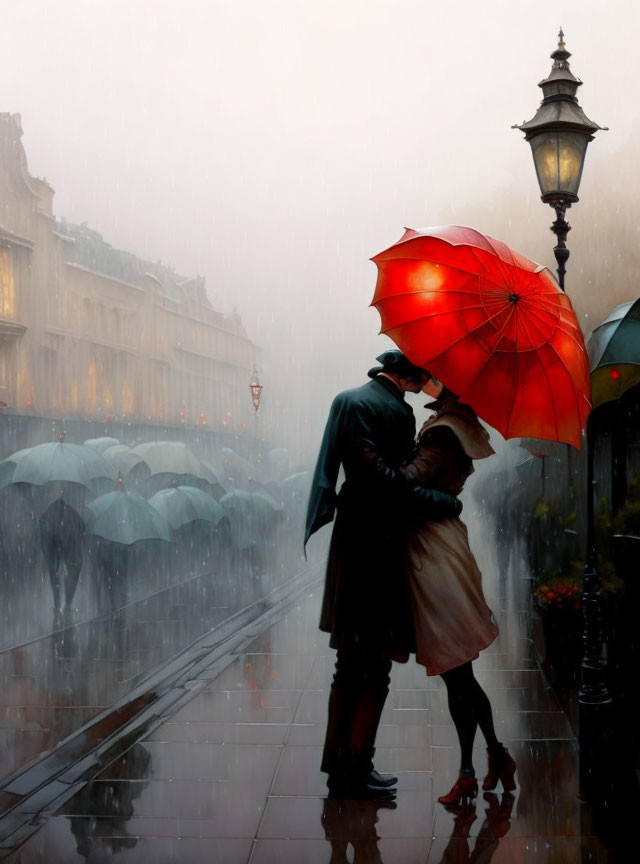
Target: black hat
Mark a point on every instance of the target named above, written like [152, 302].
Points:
[394, 361]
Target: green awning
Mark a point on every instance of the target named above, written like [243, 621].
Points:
[614, 354]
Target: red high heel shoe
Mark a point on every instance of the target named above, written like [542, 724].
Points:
[501, 767]
[464, 789]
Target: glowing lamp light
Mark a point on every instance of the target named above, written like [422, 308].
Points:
[559, 132]
[614, 375]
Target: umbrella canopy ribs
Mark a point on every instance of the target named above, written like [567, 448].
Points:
[492, 325]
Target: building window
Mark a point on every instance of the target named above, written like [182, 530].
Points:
[7, 286]
[73, 396]
[127, 398]
[92, 387]
[4, 352]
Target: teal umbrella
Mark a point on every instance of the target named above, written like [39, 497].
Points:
[122, 458]
[242, 517]
[74, 495]
[265, 504]
[183, 504]
[6, 473]
[101, 444]
[277, 463]
[614, 354]
[296, 486]
[249, 514]
[172, 457]
[123, 517]
[46, 463]
[235, 466]
[215, 474]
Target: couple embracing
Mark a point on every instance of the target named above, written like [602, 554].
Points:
[401, 577]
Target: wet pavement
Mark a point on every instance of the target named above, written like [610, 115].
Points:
[51, 686]
[234, 776]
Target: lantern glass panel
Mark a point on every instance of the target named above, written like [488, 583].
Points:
[559, 157]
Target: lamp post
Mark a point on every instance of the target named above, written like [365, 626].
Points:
[256, 393]
[559, 134]
[256, 389]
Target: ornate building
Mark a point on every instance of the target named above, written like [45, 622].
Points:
[90, 331]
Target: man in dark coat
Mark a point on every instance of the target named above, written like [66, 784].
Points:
[61, 540]
[366, 604]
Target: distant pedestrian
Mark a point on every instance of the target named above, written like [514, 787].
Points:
[61, 540]
[112, 568]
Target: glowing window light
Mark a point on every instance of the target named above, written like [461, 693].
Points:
[92, 386]
[73, 396]
[7, 286]
[127, 397]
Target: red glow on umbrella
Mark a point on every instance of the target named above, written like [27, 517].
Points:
[492, 325]
[615, 375]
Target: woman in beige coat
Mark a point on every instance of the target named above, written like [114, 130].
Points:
[452, 620]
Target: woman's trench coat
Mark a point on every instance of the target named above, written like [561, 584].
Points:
[451, 618]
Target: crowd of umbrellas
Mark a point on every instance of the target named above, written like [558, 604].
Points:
[107, 501]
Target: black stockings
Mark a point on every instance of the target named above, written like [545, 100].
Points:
[469, 707]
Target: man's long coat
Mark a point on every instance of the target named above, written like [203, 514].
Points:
[366, 590]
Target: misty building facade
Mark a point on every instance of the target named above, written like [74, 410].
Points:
[90, 331]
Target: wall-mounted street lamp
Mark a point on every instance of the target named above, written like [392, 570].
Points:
[559, 134]
[256, 389]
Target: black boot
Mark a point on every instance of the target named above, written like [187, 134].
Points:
[336, 756]
[366, 719]
[379, 779]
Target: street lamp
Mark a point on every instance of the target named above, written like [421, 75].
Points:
[256, 389]
[559, 134]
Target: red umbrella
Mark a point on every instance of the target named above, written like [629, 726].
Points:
[493, 326]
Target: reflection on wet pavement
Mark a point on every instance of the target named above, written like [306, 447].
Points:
[52, 686]
[233, 776]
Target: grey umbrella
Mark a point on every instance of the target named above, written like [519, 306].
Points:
[72, 463]
[183, 504]
[125, 518]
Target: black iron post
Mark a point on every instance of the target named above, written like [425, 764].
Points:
[559, 134]
[594, 702]
[561, 228]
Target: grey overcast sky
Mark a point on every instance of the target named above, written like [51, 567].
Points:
[274, 146]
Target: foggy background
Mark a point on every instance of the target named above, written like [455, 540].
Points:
[274, 147]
